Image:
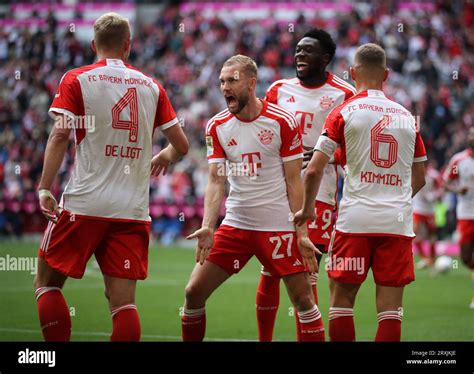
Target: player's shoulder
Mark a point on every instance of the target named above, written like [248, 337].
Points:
[341, 108]
[281, 115]
[72, 74]
[462, 155]
[341, 85]
[140, 74]
[280, 82]
[218, 119]
[393, 102]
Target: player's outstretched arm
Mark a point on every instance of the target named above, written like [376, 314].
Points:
[213, 198]
[417, 177]
[177, 148]
[56, 148]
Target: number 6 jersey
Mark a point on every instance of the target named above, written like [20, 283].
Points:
[379, 144]
[113, 110]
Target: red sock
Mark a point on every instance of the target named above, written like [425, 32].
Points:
[311, 325]
[341, 324]
[53, 314]
[126, 324]
[433, 250]
[267, 301]
[313, 277]
[419, 248]
[390, 326]
[193, 325]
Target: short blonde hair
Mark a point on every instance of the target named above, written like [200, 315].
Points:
[249, 66]
[111, 31]
[371, 55]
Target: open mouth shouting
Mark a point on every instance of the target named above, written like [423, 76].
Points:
[232, 102]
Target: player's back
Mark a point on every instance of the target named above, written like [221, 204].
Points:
[120, 108]
[380, 144]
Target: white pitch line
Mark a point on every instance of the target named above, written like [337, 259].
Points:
[107, 334]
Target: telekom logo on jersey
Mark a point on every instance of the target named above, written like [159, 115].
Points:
[247, 168]
[250, 159]
[304, 119]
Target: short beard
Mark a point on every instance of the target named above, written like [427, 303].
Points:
[242, 102]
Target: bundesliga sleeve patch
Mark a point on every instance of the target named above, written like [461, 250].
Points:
[326, 145]
[209, 145]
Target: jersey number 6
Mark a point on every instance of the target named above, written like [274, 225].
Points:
[377, 138]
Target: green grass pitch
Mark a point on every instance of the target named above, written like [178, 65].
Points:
[436, 307]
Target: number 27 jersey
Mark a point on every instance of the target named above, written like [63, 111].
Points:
[254, 153]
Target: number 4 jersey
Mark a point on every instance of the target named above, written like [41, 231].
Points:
[113, 110]
[379, 144]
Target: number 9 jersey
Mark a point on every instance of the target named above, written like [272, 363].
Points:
[113, 110]
[379, 144]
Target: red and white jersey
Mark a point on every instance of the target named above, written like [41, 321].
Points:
[254, 153]
[461, 171]
[311, 106]
[379, 143]
[113, 109]
[423, 202]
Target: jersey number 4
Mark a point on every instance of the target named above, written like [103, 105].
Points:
[130, 100]
[379, 140]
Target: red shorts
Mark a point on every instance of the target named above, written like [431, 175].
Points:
[428, 220]
[319, 231]
[277, 251]
[466, 231]
[120, 247]
[351, 256]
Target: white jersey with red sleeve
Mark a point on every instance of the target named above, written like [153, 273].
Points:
[254, 153]
[311, 106]
[460, 170]
[113, 110]
[379, 144]
[423, 201]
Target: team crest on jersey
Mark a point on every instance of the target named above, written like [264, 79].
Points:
[265, 136]
[326, 102]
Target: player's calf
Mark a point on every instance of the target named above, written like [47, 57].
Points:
[266, 305]
[390, 312]
[309, 316]
[202, 283]
[53, 312]
[341, 312]
[126, 324]
[120, 293]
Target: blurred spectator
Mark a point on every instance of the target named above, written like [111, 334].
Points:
[430, 56]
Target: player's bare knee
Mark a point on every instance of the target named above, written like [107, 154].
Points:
[194, 296]
[303, 301]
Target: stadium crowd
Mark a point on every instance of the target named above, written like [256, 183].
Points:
[430, 56]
